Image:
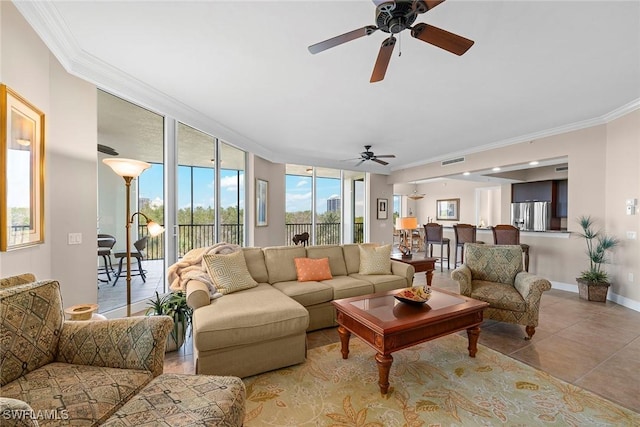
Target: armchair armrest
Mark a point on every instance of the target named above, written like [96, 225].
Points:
[197, 294]
[128, 343]
[462, 275]
[14, 412]
[403, 269]
[531, 286]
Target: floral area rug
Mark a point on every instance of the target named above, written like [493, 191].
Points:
[432, 384]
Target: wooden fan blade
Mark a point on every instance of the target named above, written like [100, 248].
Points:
[384, 56]
[422, 6]
[343, 38]
[359, 163]
[382, 162]
[443, 39]
[392, 156]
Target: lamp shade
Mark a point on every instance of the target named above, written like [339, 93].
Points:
[126, 167]
[154, 228]
[406, 223]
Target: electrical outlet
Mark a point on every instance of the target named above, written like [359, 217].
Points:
[631, 235]
[630, 277]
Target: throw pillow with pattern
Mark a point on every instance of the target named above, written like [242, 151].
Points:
[375, 259]
[229, 272]
[312, 269]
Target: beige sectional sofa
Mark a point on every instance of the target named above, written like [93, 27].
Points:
[264, 328]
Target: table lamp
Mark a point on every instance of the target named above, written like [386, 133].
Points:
[403, 224]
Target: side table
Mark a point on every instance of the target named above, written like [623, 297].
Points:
[426, 264]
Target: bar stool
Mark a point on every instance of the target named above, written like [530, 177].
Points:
[105, 244]
[506, 234]
[465, 233]
[433, 235]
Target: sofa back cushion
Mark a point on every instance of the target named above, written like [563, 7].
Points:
[31, 318]
[229, 272]
[280, 262]
[255, 263]
[335, 255]
[20, 279]
[375, 259]
[493, 263]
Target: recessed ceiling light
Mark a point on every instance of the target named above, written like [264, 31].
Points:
[496, 169]
[533, 163]
[466, 173]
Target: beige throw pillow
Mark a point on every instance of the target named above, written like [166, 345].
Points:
[229, 272]
[375, 259]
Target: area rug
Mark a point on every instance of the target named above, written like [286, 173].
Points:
[432, 384]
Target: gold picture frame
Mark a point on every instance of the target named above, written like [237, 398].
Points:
[262, 202]
[448, 210]
[22, 163]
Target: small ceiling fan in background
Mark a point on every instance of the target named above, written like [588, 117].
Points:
[370, 155]
[393, 17]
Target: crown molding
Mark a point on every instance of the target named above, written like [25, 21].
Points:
[47, 22]
[604, 119]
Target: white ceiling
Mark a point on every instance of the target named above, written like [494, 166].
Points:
[241, 70]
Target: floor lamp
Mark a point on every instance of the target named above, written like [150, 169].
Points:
[130, 169]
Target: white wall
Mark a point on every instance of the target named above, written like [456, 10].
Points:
[69, 105]
[379, 230]
[274, 233]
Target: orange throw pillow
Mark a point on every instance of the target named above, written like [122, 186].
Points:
[313, 269]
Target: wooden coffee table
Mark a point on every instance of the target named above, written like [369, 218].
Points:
[388, 325]
[420, 263]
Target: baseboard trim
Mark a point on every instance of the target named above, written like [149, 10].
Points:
[613, 297]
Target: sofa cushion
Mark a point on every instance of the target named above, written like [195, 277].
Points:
[375, 259]
[229, 272]
[20, 279]
[31, 319]
[312, 269]
[382, 282]
[335, 255]
[86, 394]
[499, 295]
[346, 287]
[255, 263]
[493, 263]
[253, 315]
[280, 264]
[306, 293]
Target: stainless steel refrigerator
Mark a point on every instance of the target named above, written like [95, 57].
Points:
[531, 216]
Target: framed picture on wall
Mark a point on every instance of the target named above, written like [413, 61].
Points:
[22, 162]
[262, 202]
[448, 210]
[383, 209]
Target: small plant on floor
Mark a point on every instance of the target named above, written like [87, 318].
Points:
[598, 244]
[175, 306]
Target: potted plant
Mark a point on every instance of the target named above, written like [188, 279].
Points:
[593, 283]
[174, 305]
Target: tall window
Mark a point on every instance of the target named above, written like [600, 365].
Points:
[299, 200]
[328, 218]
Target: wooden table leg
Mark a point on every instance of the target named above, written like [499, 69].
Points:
[473, 334]
[344, 339]
[384, 366]
[429, 277]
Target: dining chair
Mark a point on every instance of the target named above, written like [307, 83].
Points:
[105, 245]
[139, 254]
[506, 234]
[433, 235]
[464, 233]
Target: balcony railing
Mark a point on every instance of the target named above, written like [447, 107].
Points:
[201, 235]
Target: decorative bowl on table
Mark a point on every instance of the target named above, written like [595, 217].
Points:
[416, 295]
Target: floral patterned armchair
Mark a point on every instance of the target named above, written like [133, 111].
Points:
[55, 372]
[494, 274]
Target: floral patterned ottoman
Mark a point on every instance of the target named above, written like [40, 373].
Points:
[185, 400]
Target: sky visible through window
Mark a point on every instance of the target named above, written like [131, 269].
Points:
[298, 197]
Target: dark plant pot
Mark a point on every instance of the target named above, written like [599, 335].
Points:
[593, 291]
[176, 337]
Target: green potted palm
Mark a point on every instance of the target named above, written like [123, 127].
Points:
[593, 283]
[174, 305]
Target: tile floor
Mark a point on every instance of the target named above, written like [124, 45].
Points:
[593, 345]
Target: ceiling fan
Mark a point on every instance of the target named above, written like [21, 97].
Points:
[393, 17]
[370, 155]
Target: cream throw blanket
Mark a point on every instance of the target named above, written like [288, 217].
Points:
[191, 267]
